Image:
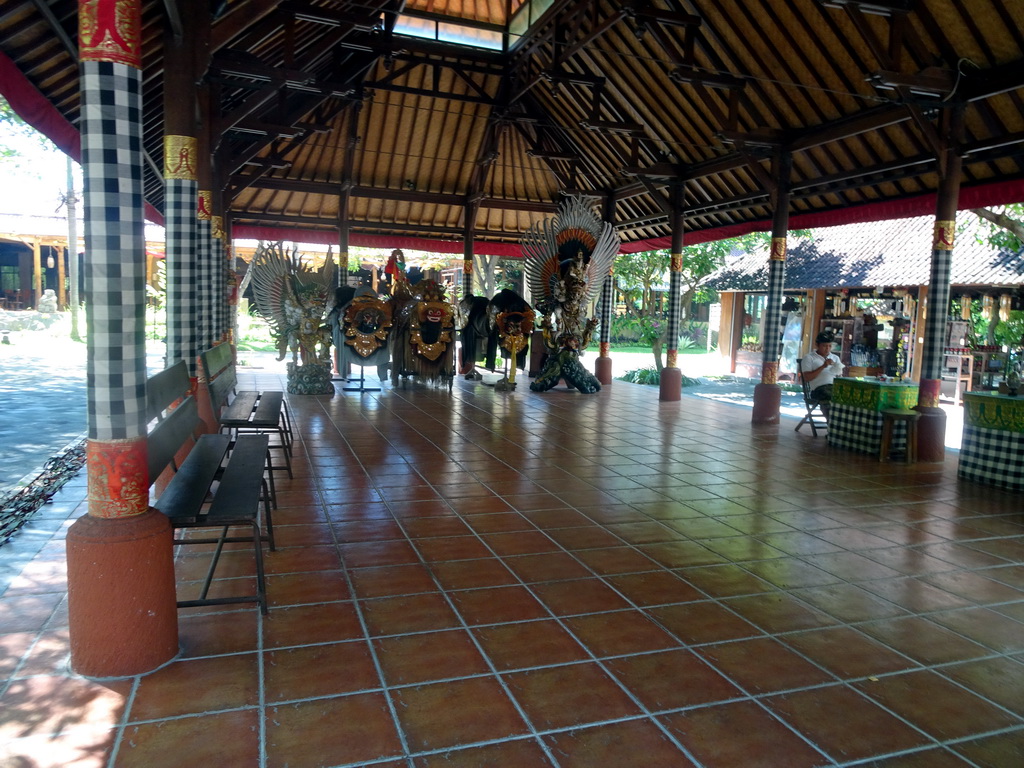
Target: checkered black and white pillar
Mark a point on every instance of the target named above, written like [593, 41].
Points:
[208, 263]
[180, 195]
[671, 384]
[121, 592]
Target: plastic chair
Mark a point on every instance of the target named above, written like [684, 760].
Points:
[814, 417]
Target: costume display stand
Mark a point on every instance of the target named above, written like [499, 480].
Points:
[362, 384]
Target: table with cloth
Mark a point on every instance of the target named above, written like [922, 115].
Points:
[855, 413]
[992, 451]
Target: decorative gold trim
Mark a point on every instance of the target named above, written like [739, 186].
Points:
[676, 263]
[770, 373]
[217, 227]
[778, 252]
[944, 235]
[671, 358]
[180, 155]
[110, 30]
[467, 266]
[204, 205]
[366, 323]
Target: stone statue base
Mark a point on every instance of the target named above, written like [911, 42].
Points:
[310, 379]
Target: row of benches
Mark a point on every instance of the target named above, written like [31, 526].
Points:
[224, 477]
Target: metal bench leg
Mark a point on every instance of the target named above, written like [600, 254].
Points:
[261, 586]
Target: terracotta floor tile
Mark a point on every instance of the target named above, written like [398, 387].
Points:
[391, 581]
[369, 554]
[915, 595]
[938, 707]
[408, 613]
[703, 622]
[27, 613]
[655, 588]
[448, 548]
[197, 685]
[864, 729]
[762, 665]
[984, 626]
[740, 734]
[499, 522]
[367, 530]
[725, 580]
[620, 632]
[847, 653]
[346, 729]
[791, 573]
[529, 644]
[419, 658]
[973, 587]
[994, 751]
[555, 517]
[926, 758]
[479, 505]
[570, 695]
[319, 670]
[298, 588]
[567, 598]
[430, 527]
[672, 680]
[646, 532]
[471, 574]
[923, 640]
[777, 612]
[224, 738]
[53, 705]
[549, 566]
[79, 747]
[848, 602]
[521, 753]
[681, 554]
[520, 543]
[1000, 680]
[461, 712]
[616, 560]
[306, 624]
[617, 744]
[372, 511]
[13, 647]
[494, 605]
[217, 633]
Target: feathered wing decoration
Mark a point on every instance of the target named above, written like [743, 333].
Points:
[274, 294]
[551, 246]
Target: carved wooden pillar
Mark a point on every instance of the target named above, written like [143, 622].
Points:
[671, 385]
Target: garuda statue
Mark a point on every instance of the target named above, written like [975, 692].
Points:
[292, 296]
[567, 259]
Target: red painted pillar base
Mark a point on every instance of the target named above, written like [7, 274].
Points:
[603, 370]
[123, 613]
[767, 402]
[671, 385]
[931, 434]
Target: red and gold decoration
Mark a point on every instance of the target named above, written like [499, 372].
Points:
[605, 349]
[770, 373]
[118, 477]
[180, 154]
[438, 314]
[204, 205]
[217, 227]
[672, 358]
[676, 263]
[366, 323]
[928, 395]
[778, 252]
[110, 30]
[467, 267]
[514, 329]
[944, 234]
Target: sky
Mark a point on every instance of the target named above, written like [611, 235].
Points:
[34, 182]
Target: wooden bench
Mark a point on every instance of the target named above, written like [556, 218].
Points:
[219, 485]
[247, 411]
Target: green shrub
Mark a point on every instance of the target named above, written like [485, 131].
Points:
[650, 375]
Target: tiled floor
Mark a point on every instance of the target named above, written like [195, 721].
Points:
[488, 579]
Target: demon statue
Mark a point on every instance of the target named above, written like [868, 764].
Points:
[292, 296]
[568, 258]
[423, 337]
[481, 336]
[365, 324]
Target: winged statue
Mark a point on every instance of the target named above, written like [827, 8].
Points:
[291, 295]
[567, 258]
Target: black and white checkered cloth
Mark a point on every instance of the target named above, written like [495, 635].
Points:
[992, 457]
[858, 429]
[934, 348]
[772, 341]
[604, 312]
[205, 270]
[115, 244]
[675, 283]
[180, 198]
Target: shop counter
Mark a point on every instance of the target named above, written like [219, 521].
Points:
[992, 451]
[855, 414]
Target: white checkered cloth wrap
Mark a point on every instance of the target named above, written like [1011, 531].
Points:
[772, 342]
[858, 429]
[605, 309]
[992, 457]
[934, 347]
[206, 320]
[675, 282]
[180, 198]
[115, 244]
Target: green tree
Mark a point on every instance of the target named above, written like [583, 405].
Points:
[11, 126]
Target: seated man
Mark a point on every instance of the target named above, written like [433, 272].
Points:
[819, 368]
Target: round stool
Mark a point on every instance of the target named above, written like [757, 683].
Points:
[889, 418]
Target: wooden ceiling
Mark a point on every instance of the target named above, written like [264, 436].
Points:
[315, 99]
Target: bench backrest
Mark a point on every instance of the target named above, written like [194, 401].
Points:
[169, 435]
[165, 388]
[219, 370]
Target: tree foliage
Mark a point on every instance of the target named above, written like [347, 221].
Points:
[1002, 227]
[12, 127]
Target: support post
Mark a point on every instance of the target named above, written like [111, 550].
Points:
[768, 394]
[671, 383]
[121, 591]
[931, 432]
